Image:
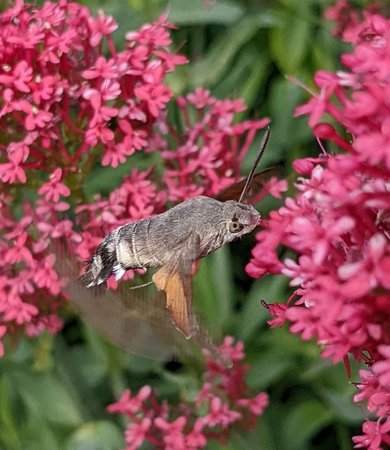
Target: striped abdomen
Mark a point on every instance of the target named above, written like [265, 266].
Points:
[127, 247]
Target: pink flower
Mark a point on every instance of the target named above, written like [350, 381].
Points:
[173, 436]
[102, 26]
[128, 404]
[381, 369]
[336, 223]
[18, 311]
[46, 277]
[155, 96]
[21, 76]
[196, 438]
[102, 69]
[136, 432]
[201, 98]
[183, 427]
[256, 404]
[220, 414]
[231, 351]
[12, 171]
[54, 188]
[19, 252]
[278, 312]
[374, 434]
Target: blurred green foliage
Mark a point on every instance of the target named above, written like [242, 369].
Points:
[53, 391]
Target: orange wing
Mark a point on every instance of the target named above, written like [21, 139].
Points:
[176, 281]
[177, 288]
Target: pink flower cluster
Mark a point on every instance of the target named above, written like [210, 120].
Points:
[71, 101]
[338, 223]
[221, 403]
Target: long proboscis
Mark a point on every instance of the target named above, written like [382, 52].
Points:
[263, 146]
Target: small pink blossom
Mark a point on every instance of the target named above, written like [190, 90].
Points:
[128, 404]
[18, 311]
[53, 189]
[12, 171]
[102, 26]
[173, 436]
[256, 404]
[136, 432]
[155, 96]
[220, 414]
[278, 312]
[19, 252]
[102, 69]
[45, 276]
[20, 78]
[187, 426]
[375, 433]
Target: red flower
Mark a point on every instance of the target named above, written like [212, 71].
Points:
[54, 188]
[135, 433]
[69, 110]
[10, 172]
[173, 437]
[20, 78]
[220, 414]
[131, 405]
[337, 223]
[186, 427]
[102, 26]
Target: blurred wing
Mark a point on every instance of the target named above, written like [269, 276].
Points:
[133, 319]
[233, 192]
[175, 280]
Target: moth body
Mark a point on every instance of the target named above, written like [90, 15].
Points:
[170, 241]
[157, 241]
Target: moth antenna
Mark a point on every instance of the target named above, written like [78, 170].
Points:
[263, 146]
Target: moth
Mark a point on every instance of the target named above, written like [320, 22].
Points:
[172, 242]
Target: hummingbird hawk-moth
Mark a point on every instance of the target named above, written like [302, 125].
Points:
[172, 242]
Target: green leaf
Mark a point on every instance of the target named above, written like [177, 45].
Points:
[45, 397]
[253, 315]
[38, 434]
[214, 66]
[268, 368]
[290, 41]
[214, 290]
[206, 298]
[223, 281]
[244, 79]
[191, 12]
[250, 86]
[302, 423]
[102, 435]
[341, 404]
[9, 430]
[286, 132]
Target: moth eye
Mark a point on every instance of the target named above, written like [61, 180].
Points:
[235, 226]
